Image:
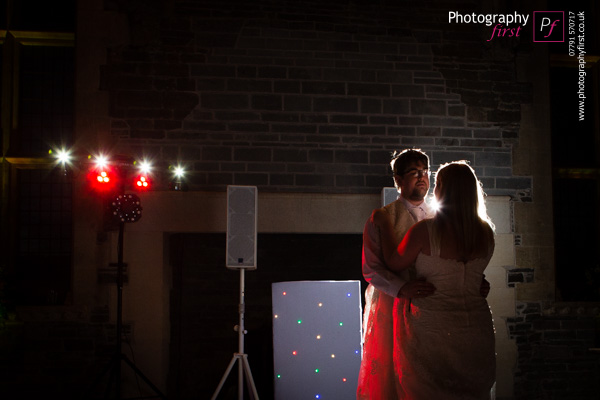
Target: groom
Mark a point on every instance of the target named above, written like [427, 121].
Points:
[411, 177]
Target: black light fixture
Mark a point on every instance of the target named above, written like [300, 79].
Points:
[143, 181]
[127, 208]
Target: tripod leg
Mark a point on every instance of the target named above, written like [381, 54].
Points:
[112, 378]
[144, 378]
[108, 369]
[249, 379]
[240, 380]
[224, 378]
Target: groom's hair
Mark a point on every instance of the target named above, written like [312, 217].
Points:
[401, 160]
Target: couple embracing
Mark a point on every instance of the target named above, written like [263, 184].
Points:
[428, 331]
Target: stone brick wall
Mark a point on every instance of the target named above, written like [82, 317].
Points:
[312, 96]
[556, 357]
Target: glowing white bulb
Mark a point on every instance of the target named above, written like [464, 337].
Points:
[179, 172]
[101, 161]
[63, 156]
[145, 167]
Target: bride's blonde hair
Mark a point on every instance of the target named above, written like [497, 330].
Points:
[461, 207]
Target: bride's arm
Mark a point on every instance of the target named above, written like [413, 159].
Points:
[398, 257]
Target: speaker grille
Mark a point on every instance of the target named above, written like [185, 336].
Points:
[241, 226]
[388, 194]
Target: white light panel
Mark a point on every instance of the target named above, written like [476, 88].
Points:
[317, 328]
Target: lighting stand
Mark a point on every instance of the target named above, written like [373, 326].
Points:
[114, 366]
[243, 366]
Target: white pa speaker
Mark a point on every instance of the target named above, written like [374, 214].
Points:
[388, 194]
[241, 226]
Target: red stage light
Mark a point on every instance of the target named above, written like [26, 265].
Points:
[142, 182]
[103, 177]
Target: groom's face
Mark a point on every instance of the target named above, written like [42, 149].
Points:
[414, 182]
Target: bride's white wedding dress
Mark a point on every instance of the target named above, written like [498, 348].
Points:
[444, 343]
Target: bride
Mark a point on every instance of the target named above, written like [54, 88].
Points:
[444, 343]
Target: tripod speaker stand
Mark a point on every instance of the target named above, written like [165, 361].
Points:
[127, 208]
[241, 254]
[240, 356]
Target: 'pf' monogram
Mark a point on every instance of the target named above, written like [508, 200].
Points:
[548, 26]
